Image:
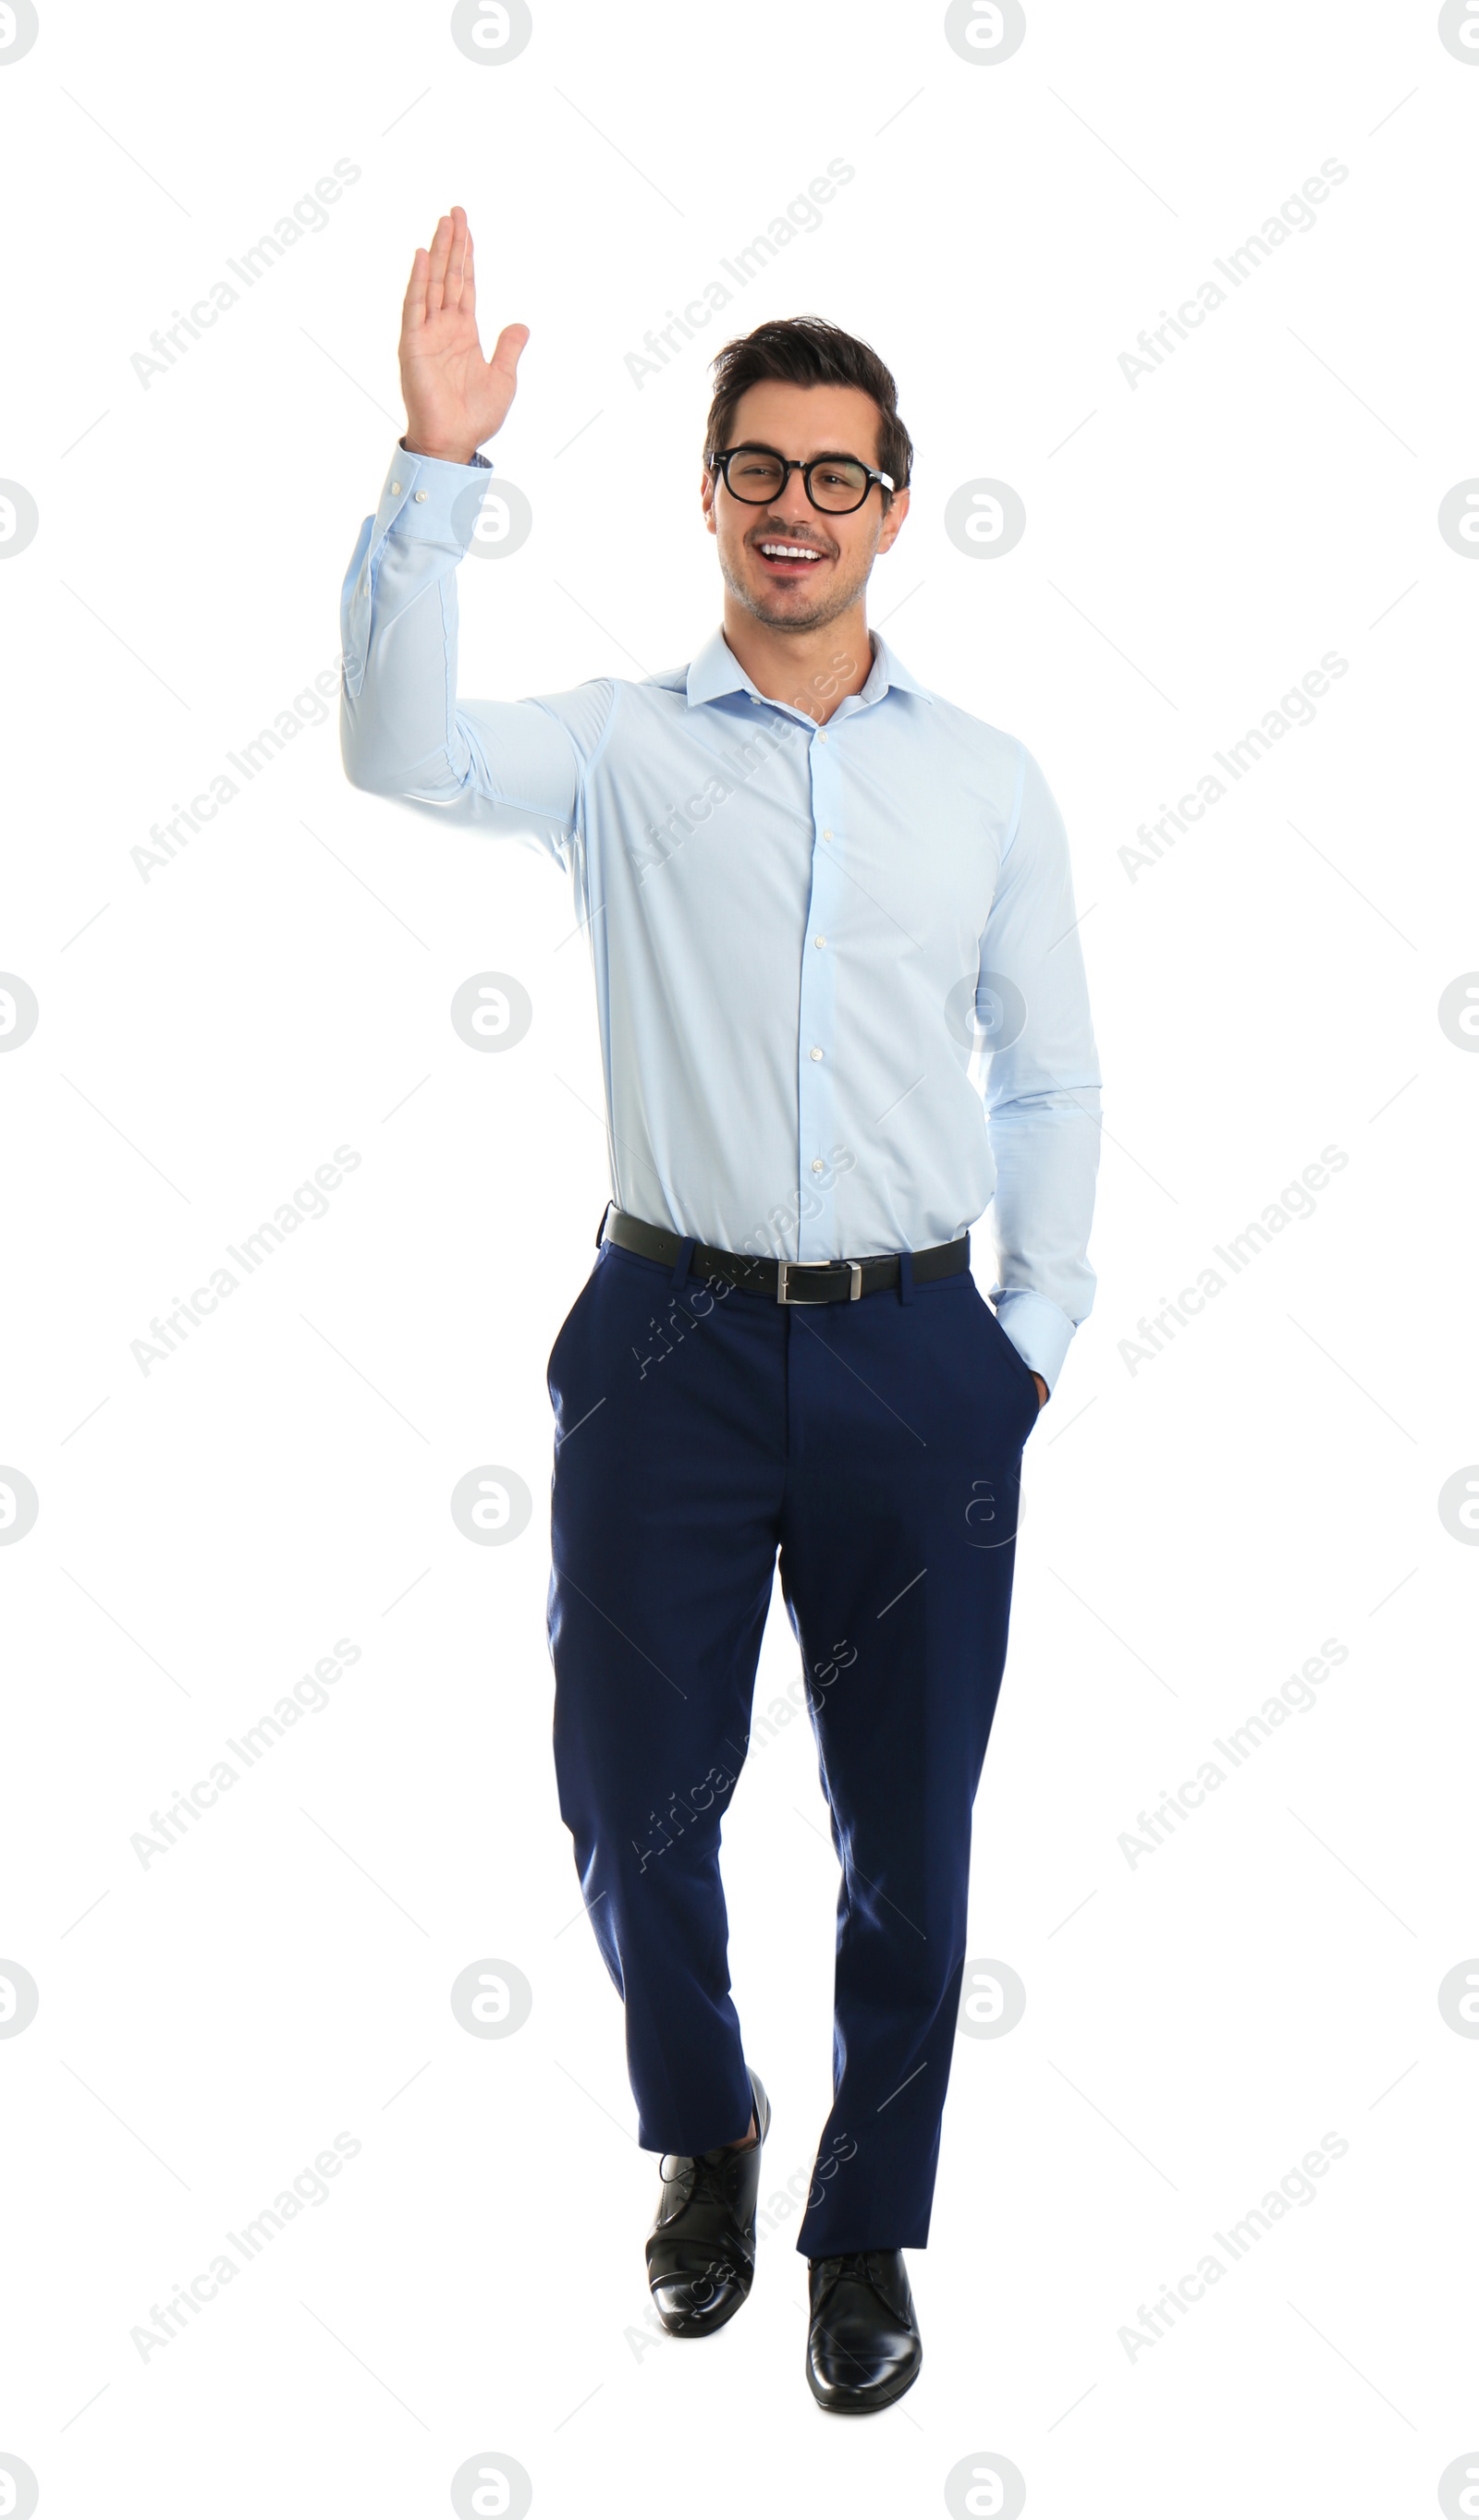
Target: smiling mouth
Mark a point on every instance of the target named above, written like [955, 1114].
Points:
[788, 559]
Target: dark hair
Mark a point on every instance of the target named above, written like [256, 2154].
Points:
[808, 350]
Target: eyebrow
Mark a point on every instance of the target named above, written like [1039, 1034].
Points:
[829, 454]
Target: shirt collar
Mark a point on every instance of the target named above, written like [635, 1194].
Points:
[716, 670]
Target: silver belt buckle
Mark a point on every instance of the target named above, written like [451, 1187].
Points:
[783, 1268]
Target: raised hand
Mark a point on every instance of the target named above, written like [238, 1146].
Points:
[454, 397]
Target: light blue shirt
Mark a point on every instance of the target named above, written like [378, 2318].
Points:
[808, 941]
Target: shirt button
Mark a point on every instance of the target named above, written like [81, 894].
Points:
[817, 1166]
[827, 833]
[420, 495]
[822, 735]
[396, 488]
[819, 942]
[816, 1054]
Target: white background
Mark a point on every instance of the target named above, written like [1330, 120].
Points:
[1195, 1527]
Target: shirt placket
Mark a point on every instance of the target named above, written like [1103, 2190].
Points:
[818, 1081]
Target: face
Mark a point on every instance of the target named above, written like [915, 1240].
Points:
[792, 566]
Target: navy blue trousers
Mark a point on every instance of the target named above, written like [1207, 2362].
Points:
[876, 1446]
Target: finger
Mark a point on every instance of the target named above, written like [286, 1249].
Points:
[436, 262]
[413, 311]
[506, 349]
[456, 277]
[469, 282]
[442, 247]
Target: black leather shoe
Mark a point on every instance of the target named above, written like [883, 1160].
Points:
[701, 2254]
[864, 2349]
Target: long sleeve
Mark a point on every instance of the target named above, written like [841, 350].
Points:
[1043, 1086]
[514, 767]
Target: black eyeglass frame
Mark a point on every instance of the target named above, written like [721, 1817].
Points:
[793, 464]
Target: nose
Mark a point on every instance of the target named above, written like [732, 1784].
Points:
[791, 511]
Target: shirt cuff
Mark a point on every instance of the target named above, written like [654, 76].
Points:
[426, 500]
[1039, 1329]
[478, 461]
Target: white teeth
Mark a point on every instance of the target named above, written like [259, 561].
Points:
[788, 551]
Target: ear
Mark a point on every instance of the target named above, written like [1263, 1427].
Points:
[705, 500]
[898, 509]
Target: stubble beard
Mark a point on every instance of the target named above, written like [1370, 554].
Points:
[815, 617]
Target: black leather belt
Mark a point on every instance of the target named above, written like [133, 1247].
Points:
[786, 1282]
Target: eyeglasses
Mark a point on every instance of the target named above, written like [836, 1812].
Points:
[835, 484]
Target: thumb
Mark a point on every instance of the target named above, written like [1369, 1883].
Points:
[506, 350]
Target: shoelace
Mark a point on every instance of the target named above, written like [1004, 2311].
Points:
[857, 2263]
[703, 2180]
[857, 2266]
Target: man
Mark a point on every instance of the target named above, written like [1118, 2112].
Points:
[810, 890]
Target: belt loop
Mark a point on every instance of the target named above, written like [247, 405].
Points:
[685, 1255]
[907, 1276]
[601, 1227]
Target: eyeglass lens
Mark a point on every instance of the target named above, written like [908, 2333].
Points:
[837, 483]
